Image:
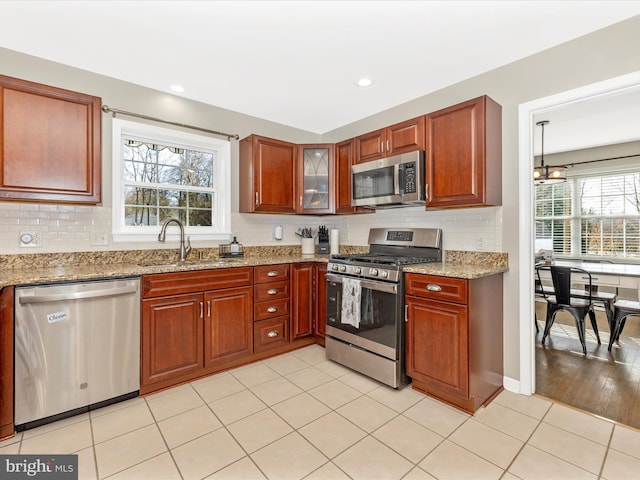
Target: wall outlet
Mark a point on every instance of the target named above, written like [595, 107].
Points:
[31, 238]
[99, 237]
[480, 243]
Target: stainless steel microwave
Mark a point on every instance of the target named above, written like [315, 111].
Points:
[389, 182]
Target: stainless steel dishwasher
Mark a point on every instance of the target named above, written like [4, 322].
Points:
[77, 347]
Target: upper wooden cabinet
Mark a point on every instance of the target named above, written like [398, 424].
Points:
[267, 175]
[345, 157]
[316, 171]
[464, 155]
[50, 148]
[400, 138]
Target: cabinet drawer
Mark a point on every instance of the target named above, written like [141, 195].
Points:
[163, 284]
[271, 291]
[270, 309]
[270, 273]
[270, 333]
[439, 288]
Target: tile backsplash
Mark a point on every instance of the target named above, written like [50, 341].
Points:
[69, 228]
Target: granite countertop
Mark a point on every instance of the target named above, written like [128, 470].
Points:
[457, 270]
[50, 268]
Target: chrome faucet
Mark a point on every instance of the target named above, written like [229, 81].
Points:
[185, 247]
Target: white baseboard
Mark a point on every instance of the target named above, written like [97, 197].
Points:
[511, 384]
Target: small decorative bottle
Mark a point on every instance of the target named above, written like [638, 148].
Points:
[235, 247]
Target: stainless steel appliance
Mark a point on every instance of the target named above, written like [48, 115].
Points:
[77, 347]
[389, 182]
[365, 301]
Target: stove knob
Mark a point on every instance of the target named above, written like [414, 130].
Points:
[334, 267]
[373, 272]
[384, 274]
[357, 270]
[343, 268]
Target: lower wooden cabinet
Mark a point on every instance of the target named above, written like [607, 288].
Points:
[271, 307]
[194, 323]
[302, 305]
[200, 322]
[172, 342]
[228, 329]
[320, 314]
[454, 338]
[270, 333]
[6, 362]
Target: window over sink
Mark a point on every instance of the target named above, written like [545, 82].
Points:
[590, 216]
[161, 173]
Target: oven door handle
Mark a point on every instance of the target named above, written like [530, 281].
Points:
[377, 286]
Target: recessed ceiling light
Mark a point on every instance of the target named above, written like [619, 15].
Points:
[177, 88]
[365, 82]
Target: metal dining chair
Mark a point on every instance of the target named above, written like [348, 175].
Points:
[621, 310]
[562, 299]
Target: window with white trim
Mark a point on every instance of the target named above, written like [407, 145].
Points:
[590, 216]
[160, 173]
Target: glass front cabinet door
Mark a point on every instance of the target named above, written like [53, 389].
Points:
[316, 178]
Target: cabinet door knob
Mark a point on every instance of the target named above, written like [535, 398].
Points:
[272, 334]
[272, 291]
[432, 287]
[272, 273]
[272, 309]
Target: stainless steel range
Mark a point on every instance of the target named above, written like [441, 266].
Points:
[365, 301]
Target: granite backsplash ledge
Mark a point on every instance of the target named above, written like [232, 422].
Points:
[137, 257]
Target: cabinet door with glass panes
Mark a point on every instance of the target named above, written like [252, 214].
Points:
[316, 178]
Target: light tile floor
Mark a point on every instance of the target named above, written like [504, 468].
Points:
[298, 416]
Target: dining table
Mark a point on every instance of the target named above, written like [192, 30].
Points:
[603, 274]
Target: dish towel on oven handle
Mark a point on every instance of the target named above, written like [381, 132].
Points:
[351, 296]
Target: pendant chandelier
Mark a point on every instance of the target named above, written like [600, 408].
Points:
[545, 174]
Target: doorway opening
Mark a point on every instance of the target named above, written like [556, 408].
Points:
[528, 114]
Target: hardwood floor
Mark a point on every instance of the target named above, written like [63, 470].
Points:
[603, 383]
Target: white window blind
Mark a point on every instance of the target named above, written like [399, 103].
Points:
[590, 216]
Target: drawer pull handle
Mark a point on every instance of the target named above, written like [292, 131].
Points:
[272, 273]
[272, 334]
[432, 287]
[272, 309]
[272, 291]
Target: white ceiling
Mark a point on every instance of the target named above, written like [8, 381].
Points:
[296, 62]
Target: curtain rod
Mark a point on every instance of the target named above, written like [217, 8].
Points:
[114, 111]
[599, 160]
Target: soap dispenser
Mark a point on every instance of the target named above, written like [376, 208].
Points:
[235, 247]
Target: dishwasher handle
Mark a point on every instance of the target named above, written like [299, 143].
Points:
[107, 292]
